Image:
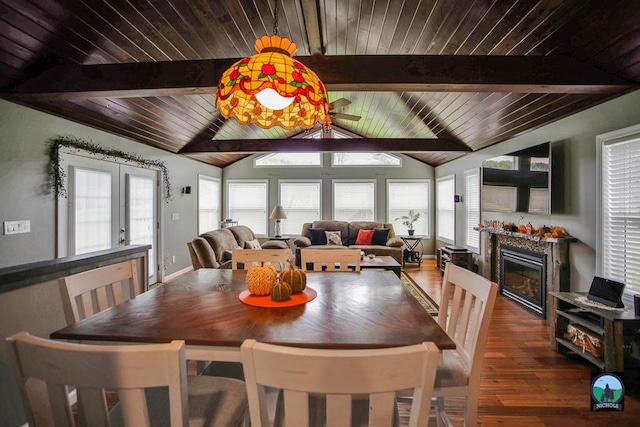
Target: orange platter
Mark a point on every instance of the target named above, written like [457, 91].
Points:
[265, 301]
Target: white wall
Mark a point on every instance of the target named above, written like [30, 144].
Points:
[24, 137]
[575, 138]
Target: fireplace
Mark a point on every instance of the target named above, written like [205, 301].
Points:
[523, 275]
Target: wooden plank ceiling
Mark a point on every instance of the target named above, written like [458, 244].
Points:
[429, 78]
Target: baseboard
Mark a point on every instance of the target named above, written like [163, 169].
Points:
[172, 276]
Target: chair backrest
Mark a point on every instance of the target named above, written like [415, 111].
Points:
[330, 259]
[93, 291]
[465, 310]
[339, 375]
[129, 369]
[245, 258]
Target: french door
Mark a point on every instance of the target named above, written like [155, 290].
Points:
[109, 205]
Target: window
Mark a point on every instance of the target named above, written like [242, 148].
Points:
[619, 233]
[406, 195]
[354, 200]
[247, 204]
[208, 204]
[446, 221]
[365, 159]
[301, 202]
[472, 209]
[288, 159]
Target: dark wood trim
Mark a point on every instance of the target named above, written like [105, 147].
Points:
[397, 73]
[404, 145]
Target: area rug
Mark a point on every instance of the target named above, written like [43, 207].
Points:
[419, 294]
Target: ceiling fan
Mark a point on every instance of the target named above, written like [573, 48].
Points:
[339, 103]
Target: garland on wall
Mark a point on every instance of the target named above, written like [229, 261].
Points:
[57, 173]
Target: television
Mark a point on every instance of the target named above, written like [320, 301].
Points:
[518, 182]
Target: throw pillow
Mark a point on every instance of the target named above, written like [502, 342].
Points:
[333, 238]
[252, 244]
[380, 236]
[318, 236]
[364, 237]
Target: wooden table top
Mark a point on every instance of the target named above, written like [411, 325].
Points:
[370, 309]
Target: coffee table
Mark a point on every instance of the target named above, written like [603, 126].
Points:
[385, 262]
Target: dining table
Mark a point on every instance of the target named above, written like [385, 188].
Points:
[350, 310]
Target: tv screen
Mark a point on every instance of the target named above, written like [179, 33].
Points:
[518, 182]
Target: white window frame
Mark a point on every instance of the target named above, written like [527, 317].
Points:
[352, 181]
[472, 212]
[300, 165]
[424, 215]
[628, 256]
[219, 202]
[286, 209]
[258, 232]
[440, 199]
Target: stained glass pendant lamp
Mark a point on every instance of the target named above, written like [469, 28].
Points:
[271, 89]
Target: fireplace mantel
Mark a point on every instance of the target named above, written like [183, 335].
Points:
[556, 250]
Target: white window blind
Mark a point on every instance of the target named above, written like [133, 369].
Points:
[92, 213]
[445, 190]
[354, 200]
[472, 209]
[403, 196]
[620, 187]
[247, 203]
[208, 204]
[301, 203]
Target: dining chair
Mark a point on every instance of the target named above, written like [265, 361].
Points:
[330, 259]
[93, 291]
[466, 306]
[151, 381]
[342, 377]
[244, 258]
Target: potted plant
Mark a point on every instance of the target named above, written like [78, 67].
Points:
[409, 220]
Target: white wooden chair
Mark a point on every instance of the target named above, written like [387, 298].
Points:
[338, 375]
[245, 258]
[129, 369]
[465, 311]
[93, 291]
[330, 259]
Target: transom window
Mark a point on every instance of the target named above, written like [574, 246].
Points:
[288, 159]
[365, 159]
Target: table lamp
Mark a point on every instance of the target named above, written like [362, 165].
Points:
[278, 213]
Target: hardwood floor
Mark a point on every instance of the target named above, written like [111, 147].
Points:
[526, 383]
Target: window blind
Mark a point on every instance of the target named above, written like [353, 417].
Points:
[472, 209]
[208, 204]
[301, 203]
[445, 190]
[404, 196]
[248, 204]
[354, 201]
[620, 250]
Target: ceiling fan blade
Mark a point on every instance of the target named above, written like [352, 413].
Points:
[342, 102]
[344, 116]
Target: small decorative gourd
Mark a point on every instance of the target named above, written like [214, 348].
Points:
[260, 279]
[281, 291]
[294, 277]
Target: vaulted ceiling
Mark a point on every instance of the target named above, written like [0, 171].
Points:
[430, 78]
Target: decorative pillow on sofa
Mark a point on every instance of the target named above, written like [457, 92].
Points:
[380, 236]
[364, 237]
[333, 238]
[318, 236]
[252, 244]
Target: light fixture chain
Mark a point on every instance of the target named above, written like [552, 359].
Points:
[275, 18]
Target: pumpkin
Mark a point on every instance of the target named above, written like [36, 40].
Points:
[295, 277]
[281, 291]
[260, 279]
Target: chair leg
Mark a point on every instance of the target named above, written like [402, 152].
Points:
[442, 419]
[471, 412]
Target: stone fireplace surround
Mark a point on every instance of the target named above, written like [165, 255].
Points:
[556, 251]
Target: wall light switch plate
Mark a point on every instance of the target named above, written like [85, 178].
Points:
[17, 227]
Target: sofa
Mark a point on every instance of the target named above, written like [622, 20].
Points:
[213, 249]
[382, 242]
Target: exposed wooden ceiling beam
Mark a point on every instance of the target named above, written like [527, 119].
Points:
[404, 145]
[395, 73]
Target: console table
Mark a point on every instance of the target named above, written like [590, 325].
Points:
[614, 328]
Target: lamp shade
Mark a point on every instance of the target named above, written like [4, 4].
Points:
[271, 89]
[278, 213]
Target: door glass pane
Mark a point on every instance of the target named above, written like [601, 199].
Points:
[140, 214]
[92, 213]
